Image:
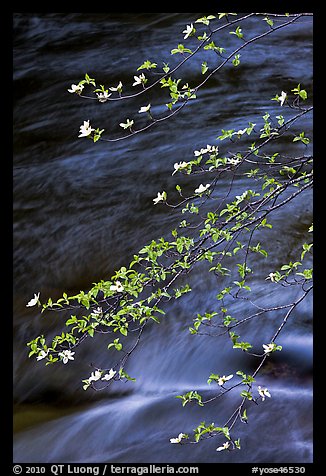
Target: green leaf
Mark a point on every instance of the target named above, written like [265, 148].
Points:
[302, 93]
[269, 21]
[89, 80]
[306, 248]
[226, 134]
[204, 67]
[180, 49]
[205, 20]
[246, 379]
[264, 223]
[234, 337]
[280, 120]
[226, 433]
[223, 293]
[221, 15]
[213, 378]
[51, 360]
[97, 134]
[244, 416]
[236, 60]
[301, 137]
[212, 46]
[242, 345]
[307, 273]
[237, 32]
[189, 396]
[246, 394]
[116, 344]
[123, 374]
[228, 320]
[147, 65]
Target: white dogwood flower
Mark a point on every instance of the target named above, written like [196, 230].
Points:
[85, 129]
[178, 439]
[127, 125]
[190, 30]
[141, 79]
[209, 148]
[202, 188]
[263, 392]
[221, 381]
[178, 166]
[269, 347]
[145, 108]
[34, 300]
[240, 132]
[232, 161]
[103, 97]
[282, 98]
[76, 88]
[96, 313]
[161, 197]
[225, 446]
[118, 88]
[66, 355]
[42, 355]
[197, 153]
[110, 375]
[118, 287]
[95, 376]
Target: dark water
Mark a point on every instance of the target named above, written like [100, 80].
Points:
[82, 210]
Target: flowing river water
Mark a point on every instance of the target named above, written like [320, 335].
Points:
[81, 210]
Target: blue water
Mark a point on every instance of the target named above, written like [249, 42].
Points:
[82, 210]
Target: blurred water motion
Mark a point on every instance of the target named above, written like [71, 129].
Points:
[82, 210]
